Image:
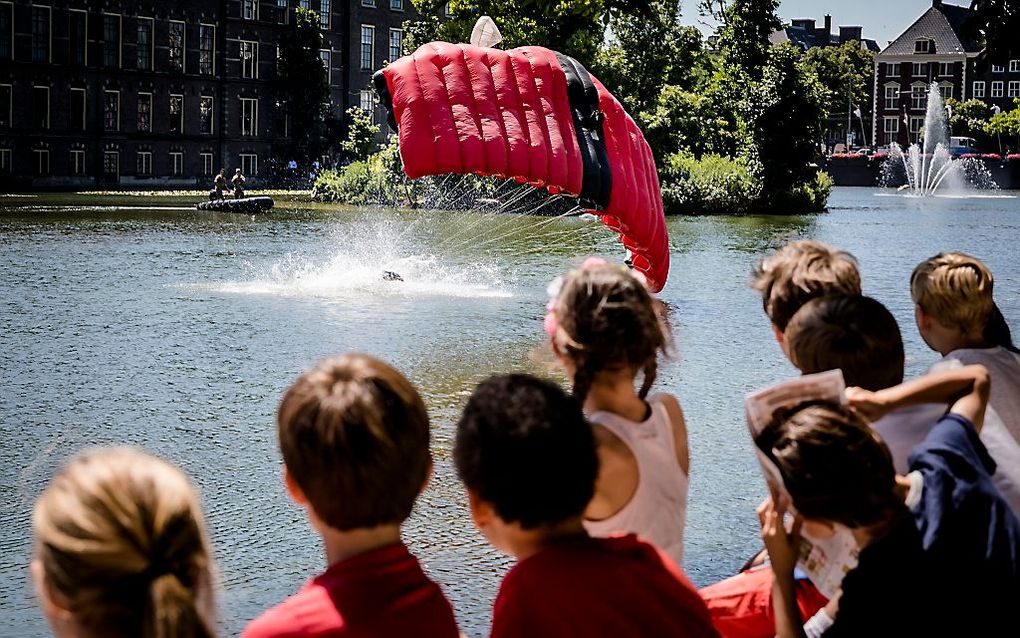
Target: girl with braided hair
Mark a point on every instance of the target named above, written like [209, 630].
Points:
[606, 329]
[121, 550]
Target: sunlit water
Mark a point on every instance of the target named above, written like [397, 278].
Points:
[177, 332]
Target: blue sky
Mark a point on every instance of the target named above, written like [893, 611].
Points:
[882, 20]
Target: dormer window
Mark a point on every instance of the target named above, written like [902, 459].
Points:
[924, 45]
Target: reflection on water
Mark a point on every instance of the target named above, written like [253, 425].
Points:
[177, 332]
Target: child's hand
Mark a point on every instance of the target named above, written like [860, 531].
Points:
[783, 547]
[869, 405]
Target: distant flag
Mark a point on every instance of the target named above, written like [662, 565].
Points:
[949, 110]
[857, 112]
[996, 109]
[906, 120]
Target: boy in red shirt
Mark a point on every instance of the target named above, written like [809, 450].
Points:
[354, 436]
[527, 457]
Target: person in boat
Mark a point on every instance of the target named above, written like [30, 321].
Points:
[238, 181]
[219, 185]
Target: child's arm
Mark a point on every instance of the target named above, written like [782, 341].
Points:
[964, 389]
[782, 547]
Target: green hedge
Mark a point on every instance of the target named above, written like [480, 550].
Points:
[712, 185]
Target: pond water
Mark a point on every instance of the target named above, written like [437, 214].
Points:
[177, 331]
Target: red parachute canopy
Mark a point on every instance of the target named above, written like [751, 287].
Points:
[536, 116]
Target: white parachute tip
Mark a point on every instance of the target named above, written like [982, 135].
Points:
[485, 34]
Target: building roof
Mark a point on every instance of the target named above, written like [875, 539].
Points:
[809, 38]
[943, 23]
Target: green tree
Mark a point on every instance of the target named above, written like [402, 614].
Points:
[1005, 127]
[996, 24]
[969, 119]
[784, 111]
[361, 132]
[302, 86]
[647, 53]
[744, 35]
[847, 74]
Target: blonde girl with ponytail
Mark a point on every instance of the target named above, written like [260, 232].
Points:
[121, 550]
[606, 330]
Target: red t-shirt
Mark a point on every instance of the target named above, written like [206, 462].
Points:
[376, 595]
[621, 587]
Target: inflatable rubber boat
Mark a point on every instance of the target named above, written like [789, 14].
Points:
[243, 205]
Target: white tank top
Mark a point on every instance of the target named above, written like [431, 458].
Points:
[658, 509]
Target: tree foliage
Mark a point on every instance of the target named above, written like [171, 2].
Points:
[969, 119]
[847, 74]
[361, 132]
[744, 34]
[1006, 124]
[302, 86]
[996, 24]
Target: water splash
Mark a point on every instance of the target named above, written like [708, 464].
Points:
[931, 169]
[353, 262]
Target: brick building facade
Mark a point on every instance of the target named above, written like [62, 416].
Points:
[934, 49]
[129, 93]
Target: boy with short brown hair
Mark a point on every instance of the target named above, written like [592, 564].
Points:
[354, 436]
[799, 272]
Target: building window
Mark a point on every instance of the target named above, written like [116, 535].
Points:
[396, 5]
[6, 33]
[1014, 89]
[327, 63]
[77, 37]
[396, 43]
[144, 44]
[979, 89]
[1014, 66]
[6, 107]
[997, 89]
[176, 113]
[249, 59]
[205, 115]
[918, 97]
[42, 162]
[447, 10]
[250, 9]
[41, 106]
[176, 46]
[249, 116]
[892, 128]
[207, 163]
[111, 41]
[111, 110]
[916, 124]
[143, 165]
[892, 69]
[5, 161]
[77, 115]
[892, 97]
[206, 48]
[145, 112]
[176, 163]
[998, 69]
[368, 3]
[367, 100]
[40, 34]
[367, 47]
[77, 162]
[946, 91]
[324, 11]
[111, 163]
[920, 69]
[305, 4]
[946, 69]
[249, 164]
[924, 45]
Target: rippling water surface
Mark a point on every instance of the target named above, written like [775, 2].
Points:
[177, 331]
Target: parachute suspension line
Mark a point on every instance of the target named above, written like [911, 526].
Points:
[482, 217]
[542, 224]
[511, 220]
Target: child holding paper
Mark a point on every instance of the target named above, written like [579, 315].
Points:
[934, 543]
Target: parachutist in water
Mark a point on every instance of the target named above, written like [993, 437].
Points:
[389, 275]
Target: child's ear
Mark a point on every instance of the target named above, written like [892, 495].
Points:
[780, 338]
[48, 602]
[293, 489]
[481, 511]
